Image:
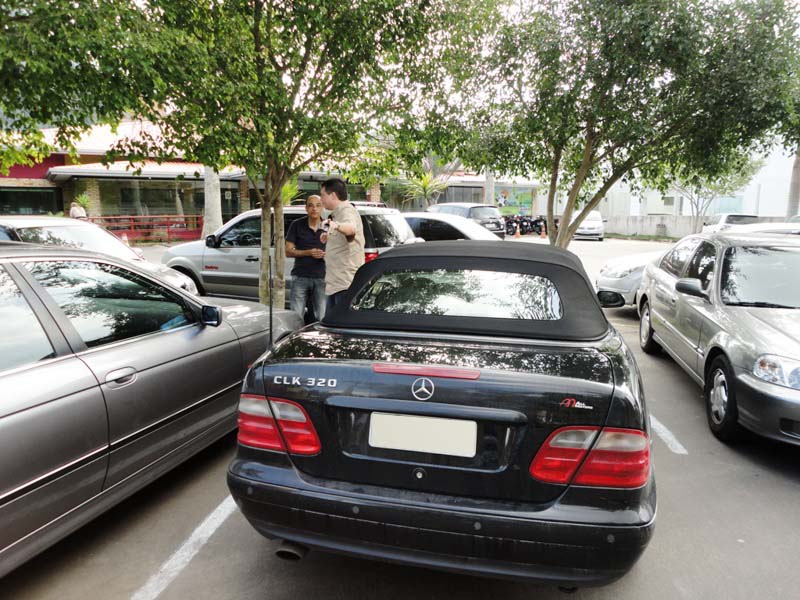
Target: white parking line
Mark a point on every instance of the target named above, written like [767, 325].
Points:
[667, 437]
[183, 555]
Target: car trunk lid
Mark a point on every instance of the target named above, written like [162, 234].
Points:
[455, 418]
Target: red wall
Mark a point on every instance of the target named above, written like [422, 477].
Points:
[37, 171]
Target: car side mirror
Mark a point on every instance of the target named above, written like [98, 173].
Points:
[211, 241]
[610, 299]
[691, 287]
[211, 316]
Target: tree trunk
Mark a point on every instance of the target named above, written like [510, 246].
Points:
[212, 212]
[793, 206]
[551, 195]
[272, 204]
[566, 227]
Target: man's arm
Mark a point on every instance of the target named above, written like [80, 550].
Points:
[293, 252]
[346, 227]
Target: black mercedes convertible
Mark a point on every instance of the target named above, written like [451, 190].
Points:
[468, 408]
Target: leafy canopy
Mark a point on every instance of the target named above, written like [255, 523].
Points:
[68, 64]
[583, 93]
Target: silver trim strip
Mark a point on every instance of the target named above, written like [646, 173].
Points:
[185, 409]
[54, 472]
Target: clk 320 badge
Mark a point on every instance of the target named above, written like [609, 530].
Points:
[303, 381]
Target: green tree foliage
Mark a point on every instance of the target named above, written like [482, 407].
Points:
[701, 191]
[584, 93]
[424, 190]
[275, 87]
[68, 64]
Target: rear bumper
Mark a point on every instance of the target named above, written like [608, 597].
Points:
[281, 505]
[769, 410]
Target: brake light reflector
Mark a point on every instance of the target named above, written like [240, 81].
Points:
[620, 458]
[370, 255]
[290, 428]
[256, 425]
[423, 371]
[561, 454]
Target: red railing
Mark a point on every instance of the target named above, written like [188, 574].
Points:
[153, 228]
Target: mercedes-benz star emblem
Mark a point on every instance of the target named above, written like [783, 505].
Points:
[422, 388]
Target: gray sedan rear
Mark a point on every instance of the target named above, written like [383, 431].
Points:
[109, 378]
[726, 307]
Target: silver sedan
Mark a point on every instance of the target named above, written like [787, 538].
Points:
[109, 378]
[624, 275]
[726, 307]
[76, 233]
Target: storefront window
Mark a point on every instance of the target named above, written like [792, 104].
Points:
[30, 201]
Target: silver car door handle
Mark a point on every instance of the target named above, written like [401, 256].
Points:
[121, 376]
[251, 259]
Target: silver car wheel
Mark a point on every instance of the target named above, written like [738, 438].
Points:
[644, 326]
[719, 397]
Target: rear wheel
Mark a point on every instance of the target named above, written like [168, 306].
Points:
[646, 341]
[720, 395]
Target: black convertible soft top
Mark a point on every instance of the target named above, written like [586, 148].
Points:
[582, 319]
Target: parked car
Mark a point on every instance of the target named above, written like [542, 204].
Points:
[109, 378]
[726, 307]
[721, 222]
[624, 275]
[780, 227]
[592, 227]
[226, 263]
[439, 226]
[467, 407]
[487, 215]
[75, 233]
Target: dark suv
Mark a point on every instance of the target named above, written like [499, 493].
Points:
[484, 214]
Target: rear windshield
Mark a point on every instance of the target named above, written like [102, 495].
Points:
[463, 293]
[386, 231]
[484, 212]
[742, 219]
[760, 276]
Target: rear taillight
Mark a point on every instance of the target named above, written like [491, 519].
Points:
[619, 458]
[370, 255]
[561, 454]
[257, 426]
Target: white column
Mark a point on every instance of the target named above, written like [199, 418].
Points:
[488, 187]
[212, 213]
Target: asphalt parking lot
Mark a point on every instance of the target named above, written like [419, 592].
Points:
[727, 523]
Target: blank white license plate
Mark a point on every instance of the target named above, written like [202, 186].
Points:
[451, 437]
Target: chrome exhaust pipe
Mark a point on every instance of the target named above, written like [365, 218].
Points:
[291, 551]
